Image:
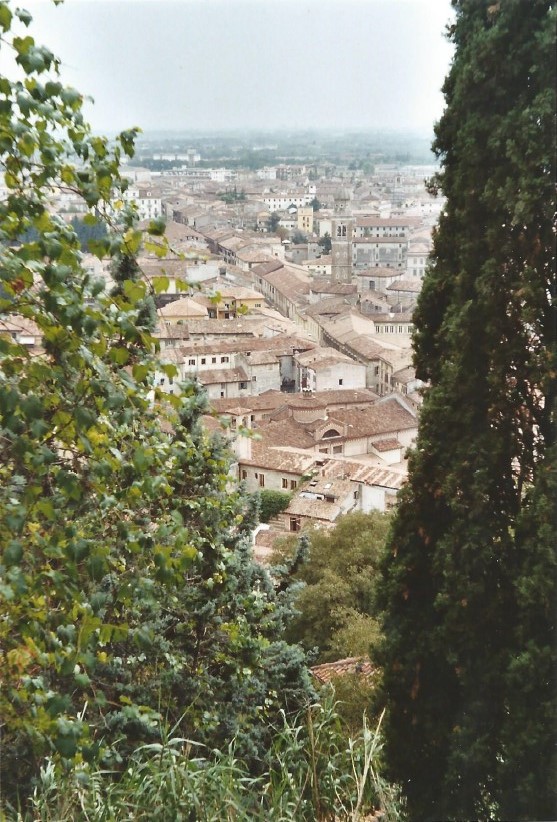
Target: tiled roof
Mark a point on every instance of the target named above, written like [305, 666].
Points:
[185, 307]
[280, 344]
[263, 358]
[271, 400]
[267, 267]
[386, 445]
[392, 317]
[275, 459]
[321, 357]
[364, 473]
[405, 375]
[224, 375]
[351, 665]
[314, 508]
[409, 285]
[323, 286]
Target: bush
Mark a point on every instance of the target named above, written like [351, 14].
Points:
[272, 503]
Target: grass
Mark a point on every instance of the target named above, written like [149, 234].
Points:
[313, 773]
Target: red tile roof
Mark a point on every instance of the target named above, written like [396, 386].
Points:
[351, 665]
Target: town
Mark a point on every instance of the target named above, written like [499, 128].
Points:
[277, 412]
[288, 295]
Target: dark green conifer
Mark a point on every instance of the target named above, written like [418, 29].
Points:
[469, 576]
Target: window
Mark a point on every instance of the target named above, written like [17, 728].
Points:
[294, 523]
[340, 382]
[191, 362]
[243, 386]
[262, 480]
[293, 484]
[203, 360]
[284, 483]
[244, 473]
[225, 359]
[213, 359]
[337, 449]
[254, 379]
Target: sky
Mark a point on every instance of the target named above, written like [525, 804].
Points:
[251, 64]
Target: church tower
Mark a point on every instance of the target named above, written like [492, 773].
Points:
[342, 224]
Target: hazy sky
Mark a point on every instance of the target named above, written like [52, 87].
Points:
[296, 64]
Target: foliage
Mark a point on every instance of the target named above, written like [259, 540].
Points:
[273, 222]
[336, 605]
[353, 695]
[315, 204]
[272, 503]
[298, 237]
[129, 596]
[310, 774]
[86, 232]
[232, 196]
[325, 243]
[469, 579]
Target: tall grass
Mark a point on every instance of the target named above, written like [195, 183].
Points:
[312, 773]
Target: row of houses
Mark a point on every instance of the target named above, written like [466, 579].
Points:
[334, 452]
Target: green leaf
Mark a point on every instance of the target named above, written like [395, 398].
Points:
[119, 355]
[160, 284]
[13, 553]
[134, 291]
[139, 372]
[5, 17]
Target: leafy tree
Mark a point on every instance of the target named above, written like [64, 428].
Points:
[129, 597]
[336, 606]
[232, 196]
[272, 503]
[273, 222]
[299, 237]
[315, 204]
[469, 579]
[325, 242]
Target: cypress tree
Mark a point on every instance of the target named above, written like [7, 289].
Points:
[468, 590]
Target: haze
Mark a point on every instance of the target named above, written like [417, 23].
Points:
[252, 64]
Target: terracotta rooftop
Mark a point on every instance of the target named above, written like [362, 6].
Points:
[383, 417]
[185, 307]
[351, 665]
[386, 444]
[324, 286]
[212, 376]
[410, 285]
[276, 459]
[280, 344]
[322, 356]
[314, 508]
[271, 400]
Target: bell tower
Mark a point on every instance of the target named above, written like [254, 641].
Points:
[342, 224]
